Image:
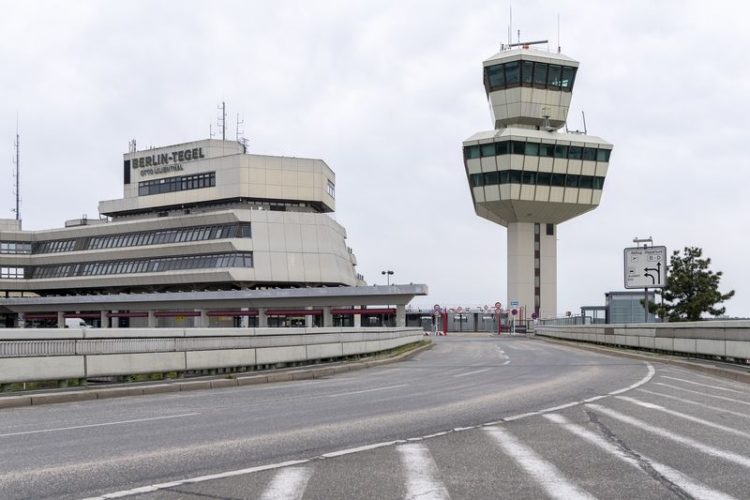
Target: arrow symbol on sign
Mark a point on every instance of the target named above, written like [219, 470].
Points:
[656, 279]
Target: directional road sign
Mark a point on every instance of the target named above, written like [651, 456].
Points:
[646, 267]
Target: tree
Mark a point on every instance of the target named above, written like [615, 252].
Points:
[692, 288]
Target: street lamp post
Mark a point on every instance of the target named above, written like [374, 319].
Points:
[388, 275]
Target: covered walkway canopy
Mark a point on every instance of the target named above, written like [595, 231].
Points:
[204, 304]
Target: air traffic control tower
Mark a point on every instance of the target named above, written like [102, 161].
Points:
[528, 176]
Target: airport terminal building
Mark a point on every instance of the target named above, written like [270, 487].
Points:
[202, 218]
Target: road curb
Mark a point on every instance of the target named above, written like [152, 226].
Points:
[287, 375]
[724, 372]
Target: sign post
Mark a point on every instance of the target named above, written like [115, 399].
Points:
[436, 315]
[645, 267]
[498, 318]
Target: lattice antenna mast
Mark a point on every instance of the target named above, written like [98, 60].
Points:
[17, 173]
[223, 120]
[238, 131]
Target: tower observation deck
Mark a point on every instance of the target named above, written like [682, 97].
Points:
[525, 174]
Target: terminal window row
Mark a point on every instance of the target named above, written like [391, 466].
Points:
[12, 273]
[15, 247]
[529, 74]
[182, 235]
[143, 238]
[178, 183]
[134, 266]
[537, 179]
[528, 148]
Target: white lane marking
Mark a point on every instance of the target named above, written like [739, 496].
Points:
[199, 479]
[507, 362]
[705, 385]
[652, 406]
[547, 475]
[349, 451]
[694, 488]
[659, 431]
[704, 394]
[328, 455]
[466, 374]
[645, 379]
[421, 473]
[707, 377]
[103, 424]
[365, 391]
[288, 484]
[695, 403]
[651, 373]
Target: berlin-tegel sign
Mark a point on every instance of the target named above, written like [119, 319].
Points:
[646, 267]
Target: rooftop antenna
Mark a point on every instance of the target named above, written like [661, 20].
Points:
[584, 122]
[17, 172]
[132, 146]
[510, 23]
[558, 33]
[239, 132]
[210, 131]
[519, 36]
[223, 120]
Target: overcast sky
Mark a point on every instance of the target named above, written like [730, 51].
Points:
[385, 92]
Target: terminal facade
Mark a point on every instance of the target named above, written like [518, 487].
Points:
[197, 217]
[527, 175]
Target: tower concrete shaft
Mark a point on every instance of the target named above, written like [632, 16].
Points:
[527, 176]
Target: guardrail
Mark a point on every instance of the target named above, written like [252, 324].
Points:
[28, 355]
[727, 340]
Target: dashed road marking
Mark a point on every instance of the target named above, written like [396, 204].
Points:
[694, 488]
[652, 406]
[350, 393]
[547, 475]
[103, 424]
[704, 385]
[421, 473]
[288, 484]
[251, 470]
[714, 396]
[695, 403]
[686, 441]
[466, 374]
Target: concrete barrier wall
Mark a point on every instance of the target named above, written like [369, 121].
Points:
[725, 339]
[54, 354]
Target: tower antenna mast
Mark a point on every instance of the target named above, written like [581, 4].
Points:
[510, 23]
[223, 120]
[238, 131]
[17, 173]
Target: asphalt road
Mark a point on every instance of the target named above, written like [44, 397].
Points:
[475, 417]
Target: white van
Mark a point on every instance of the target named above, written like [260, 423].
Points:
[75, 323]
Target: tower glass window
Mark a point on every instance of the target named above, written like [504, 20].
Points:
[527, 73]
[513, 74]
[553, 77]
[540, 75]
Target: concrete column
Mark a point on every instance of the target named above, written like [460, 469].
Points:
[21, 320]
[357, 319]
[244, 320]
[60, 319]
[262, 318]
[521, 264]
[104, 319]
[401, 315]
[151, 323]
[327, 316]
[308, 319]
[114, 321]
[202, 320]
